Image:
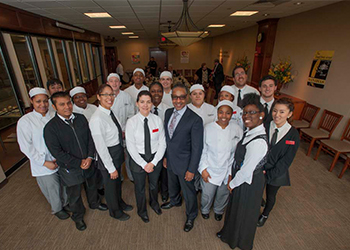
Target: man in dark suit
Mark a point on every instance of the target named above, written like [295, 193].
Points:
[184, 137]
[203, 74]
[69, 140]
[218, 76]
[267, 87]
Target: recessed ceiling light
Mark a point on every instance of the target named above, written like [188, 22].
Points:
[117, 27]
[216, 25]
[298, 3]
[127, 33]
[98, 15]
[244, 13]
[266, 14]
[134, 37]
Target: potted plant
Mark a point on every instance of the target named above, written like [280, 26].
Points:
[244, 63]
[282, 72]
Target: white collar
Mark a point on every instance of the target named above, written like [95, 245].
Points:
[104, 110]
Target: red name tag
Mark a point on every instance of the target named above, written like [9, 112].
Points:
[155, 130]
[290, 142]
[234, 112]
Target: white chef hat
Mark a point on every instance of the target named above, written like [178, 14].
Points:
[196, 86]
[37, 91]
[138, 70]
[112, 75]
[76, 90]
[225, 103]
[228, 88]
[166, 73]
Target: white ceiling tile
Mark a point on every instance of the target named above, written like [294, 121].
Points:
[47, 4]
[78, 3]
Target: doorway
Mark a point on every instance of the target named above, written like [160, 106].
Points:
[111, 59]
[161, 57]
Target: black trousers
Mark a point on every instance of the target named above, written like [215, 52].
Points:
[75, 201]
[178, 183]
[140, 184]
[271, 193]
[163, 182]
[217, 85]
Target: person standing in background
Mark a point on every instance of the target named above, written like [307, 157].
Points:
[218, 76]
[152, 64]
[80, 104]
[166, 79]
[267, 87]
[120, 71]
[53, 86]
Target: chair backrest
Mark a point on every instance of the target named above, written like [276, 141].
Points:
[194, 72]
[188, 72]
[210, 94]
[309, 113]
[180, 72]
[329, 121]
[346, 134]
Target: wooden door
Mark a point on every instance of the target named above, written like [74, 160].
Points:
[161, 57]
[111, 59]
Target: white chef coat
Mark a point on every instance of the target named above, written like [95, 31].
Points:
[236, 116]
[133, 92]
[161, 108]
[52, 111]
[30, 137]
[87, 112]
[167, 99]
[105, 134]
[135, 138]
[207, 112]
[245, 90]
[123, 108]
[256, 150]
[218, 151]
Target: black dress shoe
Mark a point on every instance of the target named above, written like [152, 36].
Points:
[124, 217]
[262, 220]
[80, 225]
[127, 208]
[263, 202]
[205, 216]
[168, 205]
[218, 234]
[62, 215]
[158, 211]
[101, 191]
[188, 225]
[218, 217]
[67, 209]
[165, 198]
[145, 218]
[102, 207]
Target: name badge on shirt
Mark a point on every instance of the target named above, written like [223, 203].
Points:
[234, 112]
[155, 130]
[290, 142]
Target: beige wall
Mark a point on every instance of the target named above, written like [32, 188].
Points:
[299, 37]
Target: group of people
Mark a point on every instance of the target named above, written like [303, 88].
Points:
[228, 153]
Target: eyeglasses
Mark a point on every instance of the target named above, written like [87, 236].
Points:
[181, 97]
[253, 112]
[240, 74]
[105, 95]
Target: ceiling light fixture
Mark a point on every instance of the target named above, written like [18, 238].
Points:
[133, 37]
[185, 32]
[98, 15]
[127, 33]
[216, 25]
[117, 27]
[244, 13]
[266, 14]
[298, 3]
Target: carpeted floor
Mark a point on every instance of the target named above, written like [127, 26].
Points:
[311, 214]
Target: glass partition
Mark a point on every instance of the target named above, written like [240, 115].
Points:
[76, 73]
[47, 60]
[83, 62]
[62, 63]
[97, 64]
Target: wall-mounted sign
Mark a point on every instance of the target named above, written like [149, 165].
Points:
[319, 68]
[184, 56]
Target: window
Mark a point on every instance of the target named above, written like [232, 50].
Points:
[62, 64]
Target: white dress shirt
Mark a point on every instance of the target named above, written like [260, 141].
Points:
[207, 112]
[105, 134]
[245, 90]
[135, 138]
[133, 92]
[87, 112]
[123, 108]
[167, 99]
[161, 108]
[256, 150]
[30, 137]
[218, 151]
[282, 131]
[269, 104]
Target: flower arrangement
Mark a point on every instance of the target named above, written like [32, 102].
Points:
[282, 72]
[244, 63]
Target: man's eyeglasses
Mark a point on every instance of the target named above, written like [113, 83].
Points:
[105, 95]
[240, 74]
[181, 97]
[253, 112]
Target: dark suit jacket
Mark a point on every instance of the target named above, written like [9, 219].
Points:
[268, 117]
[199, 73]
[68, 151]
[280, 157]
[218, 76]
[184, 149]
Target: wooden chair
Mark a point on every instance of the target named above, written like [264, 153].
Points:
[307, 117]
[336, 147]
[346, 166]
[324, 130]
[180, 72]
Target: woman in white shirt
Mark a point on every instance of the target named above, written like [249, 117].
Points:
[145, 142]
[107, 135]
[220, 140]
[30, 129]
[247, 180]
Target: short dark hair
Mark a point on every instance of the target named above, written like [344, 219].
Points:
[203, 64]
[58, 95]
[268, 77]
[180, 85]
[102, 87]
[156, 83]
[53, 81]
[142, 93]
[237, 67]
[286, 101]
[216, 60]
[252, 99]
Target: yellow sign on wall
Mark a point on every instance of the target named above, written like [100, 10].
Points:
[319, 68]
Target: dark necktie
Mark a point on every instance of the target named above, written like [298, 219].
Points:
[70, 122]
[239, 100]
[274, 138]
[148, 152]
[120, 132]
[266, 110]
[155, 111]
